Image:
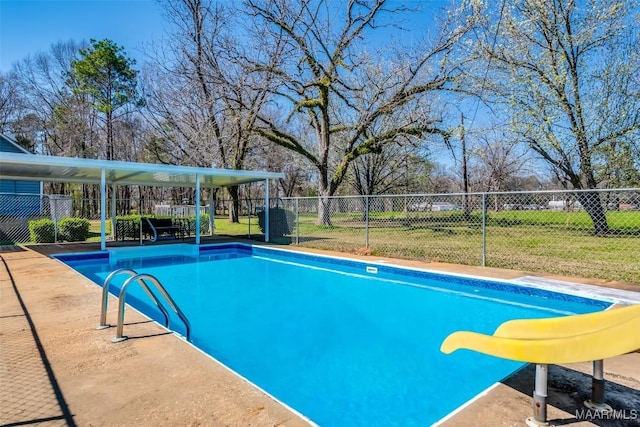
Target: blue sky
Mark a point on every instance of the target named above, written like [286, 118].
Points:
[31, 26]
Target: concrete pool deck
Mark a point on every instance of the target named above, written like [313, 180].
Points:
[56, 369]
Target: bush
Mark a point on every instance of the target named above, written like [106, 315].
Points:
[281, 222]
[42, 231]
[204, 222]
[73, 229]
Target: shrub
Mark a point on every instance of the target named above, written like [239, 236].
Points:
[204, 222]
[132, 217]
[281, 222]
[73, 229]
[42, 231]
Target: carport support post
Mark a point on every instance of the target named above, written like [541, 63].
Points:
[539, 398]
[113, 212]
[212, 213]
[197, 209]
[266, 210]
[103, 209]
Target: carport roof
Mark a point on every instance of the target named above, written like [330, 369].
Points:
[35, 167]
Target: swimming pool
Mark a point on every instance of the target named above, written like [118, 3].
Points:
[343, 342]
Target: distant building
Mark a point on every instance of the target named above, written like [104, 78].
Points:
[564, 205]
[18, 198]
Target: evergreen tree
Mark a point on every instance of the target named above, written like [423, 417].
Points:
[107, 76]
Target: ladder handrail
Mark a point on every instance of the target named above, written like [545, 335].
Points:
[140, 278]
[105, 297]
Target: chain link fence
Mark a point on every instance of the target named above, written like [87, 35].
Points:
[17, 211]
[574, 233]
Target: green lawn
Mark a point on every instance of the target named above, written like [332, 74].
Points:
[537, 241]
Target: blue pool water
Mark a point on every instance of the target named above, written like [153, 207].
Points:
[342, 342]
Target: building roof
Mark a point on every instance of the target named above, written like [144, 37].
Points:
[12, 142]
[33, 167]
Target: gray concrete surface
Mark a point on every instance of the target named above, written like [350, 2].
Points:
[55, 369]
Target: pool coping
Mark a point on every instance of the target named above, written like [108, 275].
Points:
[470, 405]
[64, 308]
[527, 285]
[107, 254]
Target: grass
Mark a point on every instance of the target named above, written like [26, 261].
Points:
[537, 241]
[242, 229]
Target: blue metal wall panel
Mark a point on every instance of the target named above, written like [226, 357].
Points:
[8, 147]
[7, 186]
[18, 198]
[27, 187]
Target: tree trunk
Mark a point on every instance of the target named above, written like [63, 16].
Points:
[465, 174]
[95, 201]
[324, 210]
[110, 152]
[234, 209]
[125, 200]
[590, 201]
[324, 199]
[84, 203]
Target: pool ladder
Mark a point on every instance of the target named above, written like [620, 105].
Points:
[142, 280]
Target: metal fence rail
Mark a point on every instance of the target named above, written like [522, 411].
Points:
[18, 210]
[559, 232]
[588, 234]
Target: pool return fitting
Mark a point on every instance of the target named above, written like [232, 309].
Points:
[142, 280]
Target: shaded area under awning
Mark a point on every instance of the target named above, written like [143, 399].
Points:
[34, 167]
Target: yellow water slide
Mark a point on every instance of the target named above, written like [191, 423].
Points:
[570, 339]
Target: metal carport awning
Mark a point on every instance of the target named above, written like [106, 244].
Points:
[33, 167]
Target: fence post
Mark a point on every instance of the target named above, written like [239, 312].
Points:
[297, 222]
[267, 207]
[55, 218]
[484, 229]
[366, 220]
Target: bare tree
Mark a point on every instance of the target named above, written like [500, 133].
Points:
[563, 73]
[297, 172]
[442, 180]
[60, 120]
[203, 100]
[328, 81]
[56, 121]
[11, 102]
[498, 157]
[395, 169]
